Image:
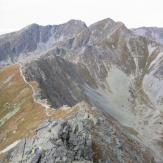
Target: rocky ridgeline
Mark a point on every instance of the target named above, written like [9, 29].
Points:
[85, 136]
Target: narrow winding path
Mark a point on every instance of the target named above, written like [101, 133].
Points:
[46, 106]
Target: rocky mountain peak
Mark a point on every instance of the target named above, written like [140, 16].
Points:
[31, 26]
[77, 22]
[103, 22]
[152, 33]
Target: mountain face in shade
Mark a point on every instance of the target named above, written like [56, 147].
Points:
[113, 69]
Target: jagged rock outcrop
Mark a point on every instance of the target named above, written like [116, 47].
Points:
[85, 136]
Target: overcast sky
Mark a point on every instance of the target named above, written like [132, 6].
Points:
[15, 14]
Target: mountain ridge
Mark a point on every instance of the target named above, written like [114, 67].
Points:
[106, 65]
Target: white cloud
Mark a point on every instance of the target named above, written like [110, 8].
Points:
[15, 14]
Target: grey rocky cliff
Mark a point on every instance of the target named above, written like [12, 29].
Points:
[87, 135]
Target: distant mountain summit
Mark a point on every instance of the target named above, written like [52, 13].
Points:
[153, 33]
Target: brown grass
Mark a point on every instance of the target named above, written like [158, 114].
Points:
[30, 115]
